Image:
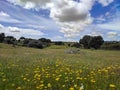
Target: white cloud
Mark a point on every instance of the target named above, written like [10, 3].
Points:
[105, 2]
[57, 38]
[18, 32]
[71, 16]
[113, 24]
[88, 3]
[3, 14]
[112, 34]
[110, 26]
[100, 19]
[4, 17]
[29, 5]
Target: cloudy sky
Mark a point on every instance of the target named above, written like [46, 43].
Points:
[61, 20]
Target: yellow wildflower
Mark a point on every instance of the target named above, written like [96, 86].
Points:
[13, 85]
[49, 85]
[71, 88]
[57, 79]
[18, 88]
[112, 86]
[24, 78]
[79, 78]
[93, 81]
[4, 80]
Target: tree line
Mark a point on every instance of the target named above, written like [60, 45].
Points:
[87, 42]
[27, 42]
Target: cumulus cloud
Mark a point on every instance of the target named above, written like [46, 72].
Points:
[71, 16]
[28, 4]
[18, 32]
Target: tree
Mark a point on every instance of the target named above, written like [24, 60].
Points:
[91, 41]
[45, 40]
[77, 45]
[9, 40]
[2, 36]
[26, 41]
[21, 39]
[96, 42]
[35, 44]
[59, 43]
[85, 41]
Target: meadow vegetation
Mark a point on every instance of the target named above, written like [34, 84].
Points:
[51, 68]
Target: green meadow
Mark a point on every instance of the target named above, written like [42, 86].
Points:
[52, 68]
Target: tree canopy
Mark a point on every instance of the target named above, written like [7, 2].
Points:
[91, 41]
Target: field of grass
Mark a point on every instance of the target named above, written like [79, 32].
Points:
[51, 68]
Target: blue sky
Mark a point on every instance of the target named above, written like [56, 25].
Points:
[60, 20]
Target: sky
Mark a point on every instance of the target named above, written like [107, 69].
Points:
[60, 20]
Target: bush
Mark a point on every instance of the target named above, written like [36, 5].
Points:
[36, 44]
[26, 41]
[77, 45]
[91, 41]
[45, 40]
[2, 36]
[111, 46]
[9, 40]
[59, 43]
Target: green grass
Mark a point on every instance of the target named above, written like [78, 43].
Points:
[51, 68]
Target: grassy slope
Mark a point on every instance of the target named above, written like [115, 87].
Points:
[14, 62]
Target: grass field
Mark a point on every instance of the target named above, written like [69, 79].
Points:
[52, 69]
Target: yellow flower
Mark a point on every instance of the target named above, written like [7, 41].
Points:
[93, 81]
[24, 78]
[112, 86]
[57, 79]
[71, 88]
[79, 78]
[49, 85]
[19, 88]
[75, 85]
[4, 80]
[13, 85]
[37, 87]
[41, 85]
[63, 85]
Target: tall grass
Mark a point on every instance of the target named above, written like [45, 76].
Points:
[52, 69]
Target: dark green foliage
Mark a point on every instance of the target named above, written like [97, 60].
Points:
[77, 45]
[45, 40]
[35, 44]
[96, 42]
[59, 43]
[10, 40]
[111, 45]
[85, 41]
[21, 39]
[92, 41]
[26, 41]
[2, 36]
